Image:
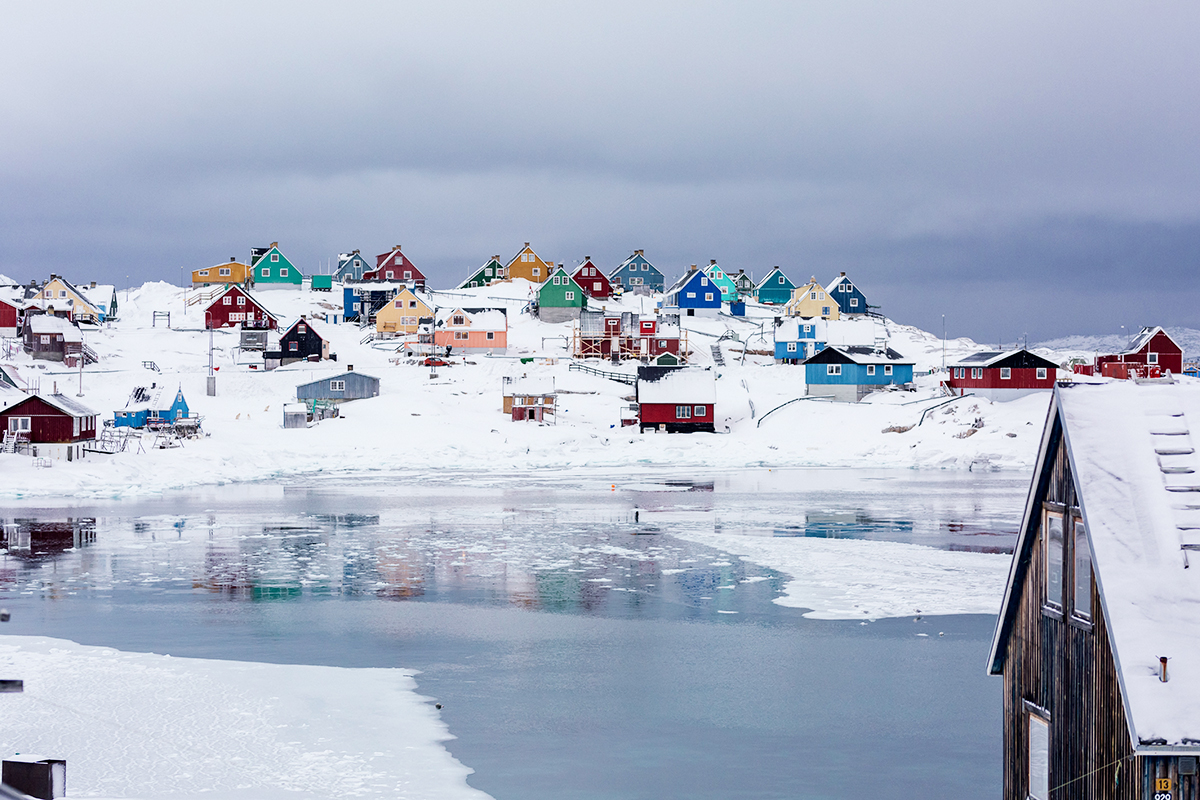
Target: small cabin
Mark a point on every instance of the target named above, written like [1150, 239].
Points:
[850, 373]
[1002, 375]
[49, 426]
[49, 338]
[235, 306]
[798, 338]
[339, 388]
[676, 399]
[145, 408]
[527, 397]
[301, 342]
[1098, 641]
[396, 266]
[1152, 352]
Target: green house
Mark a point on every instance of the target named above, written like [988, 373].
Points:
[729, 292]
[489, 273]
[271, 267]
[560, 298]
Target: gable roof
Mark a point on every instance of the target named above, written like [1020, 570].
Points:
[74, 290]
[856, 354]
[250, 297]
[1019, 358]
[476, 274]
[48, 323]
[1143, 338]
[636, 255]
[687, 276]
[1128, 445]
[67, 405]
[484, 319]
[315, 328]
[676, 385]
[770, 275]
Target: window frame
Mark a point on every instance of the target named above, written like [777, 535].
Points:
[833, 369]
[337, 386]
[1042, 374]
[683, 412]
[699, 411]
[1079, 532]
[871, 369]
[1039, 720]
[1006, 373]
[1054, 511]
[274, 258]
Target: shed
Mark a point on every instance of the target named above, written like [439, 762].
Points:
[525, 392]
[321, 283]
[341, 387]
[676, 399]
[49, 426]
[1098, 640]
[295, 415]
[850, 373]
[1002, 375]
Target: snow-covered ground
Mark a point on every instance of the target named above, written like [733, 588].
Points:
[152, 726]
[453, 421]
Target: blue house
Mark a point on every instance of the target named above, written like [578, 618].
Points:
[145, 408]
[350, 267]
[851, 373]
[849, 297]
[695, 294]
[636, 274]
[340, 387]
[775, 289]
[798, 338]
[362, 300]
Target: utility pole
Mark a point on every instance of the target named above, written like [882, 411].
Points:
[82, 350]
[212, 376]
[943, 342]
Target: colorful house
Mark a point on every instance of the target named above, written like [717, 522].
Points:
[1096, 638]
[10, 317]
[272, 269]
[49, 426]
[235, 306]
[232, 271]
[350, 267]
[1151, 348]
[636, 274]
[848, 296]
[104, 297]
[302, 341]
[849, 374]
[676, 399]
[560, 298]
[627, 336]
[361, 301]
[692, 295]
[144, 407]
[595, 284]
[528, 265]
[472, 330]
[1002, 376]
[402, 315]
[340, 388]
[775, 289]
[744, 284]
[812, 301]
[395, 266]
[491, 272]
[729, 292]
[49, 338]
[62, 298]
[798, 338]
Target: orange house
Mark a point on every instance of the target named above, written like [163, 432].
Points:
[526, 264]
[231, 271]
[472, 330]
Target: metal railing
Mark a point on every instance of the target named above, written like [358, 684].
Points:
[619, 377]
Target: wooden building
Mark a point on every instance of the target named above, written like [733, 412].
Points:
[1002, 375]
[302, 341]
[232, 271]
[145, 408]
[402, 315]
[528, 265]
[350, 267]
[471, 330]
[491, 272]
[342, 387]
[50, 338]
[812, 300]
[1151, 352]
[676, 399]
[850, 373]
[271, 268]
[775, 289]
[362, 301]
[636, 274]
[560, 299]
[235, 306]
[716, 274]
[49, 426]
[629, 336]
[592, 281]
[529, 398]
[62, 298]
[847, 295]
[1098, 640]
[395, 266]
[693, 295]
[10, 317]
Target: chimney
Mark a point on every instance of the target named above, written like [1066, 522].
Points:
[349, 368]
[397, 247]
[712, 261]
[527, 244]
[640, 252]
[496, 257]
[274, 244]
[843, 274]
[1162, 668]
[93, 286]
[232, 259]
[692, 268]
[587, 258]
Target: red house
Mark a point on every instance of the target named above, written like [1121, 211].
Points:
[1152, 350]
[235, 306]
[1002, 376]
[52, 426]
[10, 318]
[628, 336]
[676, 399]
[395, 266]
[595, 284]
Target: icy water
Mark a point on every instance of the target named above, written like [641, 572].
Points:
[578, 648]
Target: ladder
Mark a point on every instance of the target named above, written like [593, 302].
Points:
[718, 356]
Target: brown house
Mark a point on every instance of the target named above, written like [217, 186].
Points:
[1098, 639]
[49, 426]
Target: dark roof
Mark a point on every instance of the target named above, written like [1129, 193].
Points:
[855, 354]
[1015, 359]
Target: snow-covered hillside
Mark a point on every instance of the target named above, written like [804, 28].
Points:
[1088, 346]
[452, 421]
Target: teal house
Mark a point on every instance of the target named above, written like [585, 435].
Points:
[729, 292]
[775, 289]
[489, 273]
[271, 268]
[636, 274]
[560, 298]
[851, 373]
[145, 408]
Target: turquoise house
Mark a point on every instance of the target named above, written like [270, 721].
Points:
[729, 292]
[144, 407]
[271, 268]
[851, 373]
[775, 289]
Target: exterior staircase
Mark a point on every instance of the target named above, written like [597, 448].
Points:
[718, 356]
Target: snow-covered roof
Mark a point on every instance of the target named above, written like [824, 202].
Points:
[687, 276]
[683, 385]
[1140, 341]
[990, 358]
[529, 384]
[101, 295]
[1132, 451]
[63, 403]
[481, 319]
[861, 355]
[49, 324]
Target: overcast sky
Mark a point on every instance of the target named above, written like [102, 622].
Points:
[1021, 167]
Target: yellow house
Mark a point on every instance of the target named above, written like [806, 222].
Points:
[60, 297]
[231, 271]
[527, 265]
[812, 301]
[402, 314]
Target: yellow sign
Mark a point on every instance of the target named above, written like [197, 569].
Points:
[1162, 784]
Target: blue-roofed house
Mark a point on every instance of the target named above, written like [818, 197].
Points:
[716, 274]
[775, 289]
[851, 373]
[849, 297]
[693, 295]
[636, 274]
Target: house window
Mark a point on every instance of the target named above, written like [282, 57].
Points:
[537, 271]
[854, 302]
[62, 293]
[699, 411]
[691, 295]
[459, 319]
[569, 296]
[18, 424]
[1005, 373]
[1053, 534]
[293, 346]
[412, 303]
[399, 259]
[487, 273]
[283, 272]
[870, 369]
[704, 281]
[337, 386]
[645, 267]
[302, 330]
[708, 297]
[203, 273]
[977, 373]
[1041, 373]
[226, 300]
[833, 369]
[808, 328]
[225, 272]
[398, 304]
[389, 275]
[357, 263]
[1039, 758]
[358, 306]
[683, 412]
[274, 257]
[813, 296]
[556, 280]
[460, 335]
[887, 369]
[662, 342]
[1152, 358]
[241, 300]
[1082, 604]
[265, 272]
[491, 335]
[791, 347]
[825, 311]
[597, 287]
[781, 279]
[407, 274]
